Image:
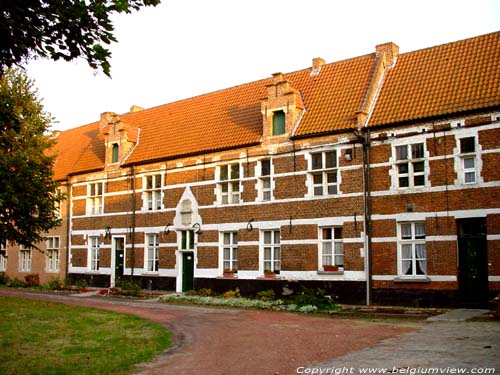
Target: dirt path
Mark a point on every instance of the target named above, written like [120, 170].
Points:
[230, 341]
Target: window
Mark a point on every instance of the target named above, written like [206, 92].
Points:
[114, 152]
[3, 256]
[412, 251]
[52, 254]
[468, 160]
[95, 198]
[24, 259]
[324, 173]
[230, 251]
[272, 250]
[152, 252]
[332, 247]
[152, 192]
[94, 253]
[57, 204]
[229, 184]
[187, 239]
[279, 123]
[410, 165]
[265, 180]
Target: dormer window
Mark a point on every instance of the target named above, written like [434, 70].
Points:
[278, 123]
[114, 152]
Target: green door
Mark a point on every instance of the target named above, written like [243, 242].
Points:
[472, 262]
[187, 271]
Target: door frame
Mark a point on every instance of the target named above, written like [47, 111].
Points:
[113, 258]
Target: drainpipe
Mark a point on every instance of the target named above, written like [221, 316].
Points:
[68, 226]
[365, 140]
[132, 224]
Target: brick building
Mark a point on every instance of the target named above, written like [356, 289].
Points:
[375, 177]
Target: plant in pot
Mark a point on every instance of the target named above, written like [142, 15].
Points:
[230, 272]
[269, 274]
[330, 268]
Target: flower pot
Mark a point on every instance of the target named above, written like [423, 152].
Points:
[331, 268]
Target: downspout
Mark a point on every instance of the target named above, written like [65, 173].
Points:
[132, 224]
[68, 226]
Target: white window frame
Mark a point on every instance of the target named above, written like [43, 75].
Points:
[93, 253]
[270, 244]
[229, 177]
[464, 158]
[413, 243]
[3, 256]
[323, 173]
[411, 162]
[265, 186]
[52, 253]
[331, 250]
[95, 198]
[24, 259]
[152, 196]
[228, 250]
[152, 253]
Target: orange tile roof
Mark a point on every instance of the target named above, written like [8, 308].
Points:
[442, 80]
[436, 81]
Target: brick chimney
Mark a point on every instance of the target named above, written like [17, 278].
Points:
[389, 50]
[317, 63]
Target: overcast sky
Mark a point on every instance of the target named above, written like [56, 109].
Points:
[185, 48]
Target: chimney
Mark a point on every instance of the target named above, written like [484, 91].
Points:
[389, 50]
[135, 108]
[317, 63]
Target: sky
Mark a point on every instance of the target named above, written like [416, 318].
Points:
[186, 48]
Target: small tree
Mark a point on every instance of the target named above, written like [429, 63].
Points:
[28, 195]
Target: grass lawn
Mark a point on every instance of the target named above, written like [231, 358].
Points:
[38, 337]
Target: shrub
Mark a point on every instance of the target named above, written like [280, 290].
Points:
[4, 279]
[32, 280]
[54, 283]
[266, 295]
[129, 285]
[15, 283]
[232, 293]
[310, 297]
[81, 284]
[203, 292]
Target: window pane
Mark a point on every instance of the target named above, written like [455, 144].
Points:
[406, 251]
[469, 163]
[277, 253]
[338, 233]
[332, 189]
[158, 181]
[149, 182]
[327, 233]
[224, 187]
[267, 237]
[227, 253]
[406, 231]
[401, 153]
[266, 183]
[331, 159]
[277, 237]
[227, 238]
[267, 253]
[467, 145]
[327, 248]
[418, 167]
[332, 177]
[318, 179]
[223, 172]
[318, 191]
[419, 180]
[278, 123]
[404, 182]
[419, 230]
[470, 177]
[265, 167]
[235, 171]
[403, 168]
[407, 269]
[317, 161]
[417, 151]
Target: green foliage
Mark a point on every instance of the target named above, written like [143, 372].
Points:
[15, 283]
[4, 279]
[203, 292]
[266, 295]
[311, 297]
[129, 285]
[31, 280]
[81, 284]
[61, 30]
[54, 284]
[29, 197]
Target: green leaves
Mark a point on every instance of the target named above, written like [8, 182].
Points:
[61, 29]
[28, 194]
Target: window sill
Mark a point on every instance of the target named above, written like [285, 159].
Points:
[339, 272]
[277, 277]
[227, 277]
[416, 279]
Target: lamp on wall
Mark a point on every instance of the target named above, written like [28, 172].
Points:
[107, 232]
[249, 225]
[197, 228]
[166, 230]
[348, 154]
